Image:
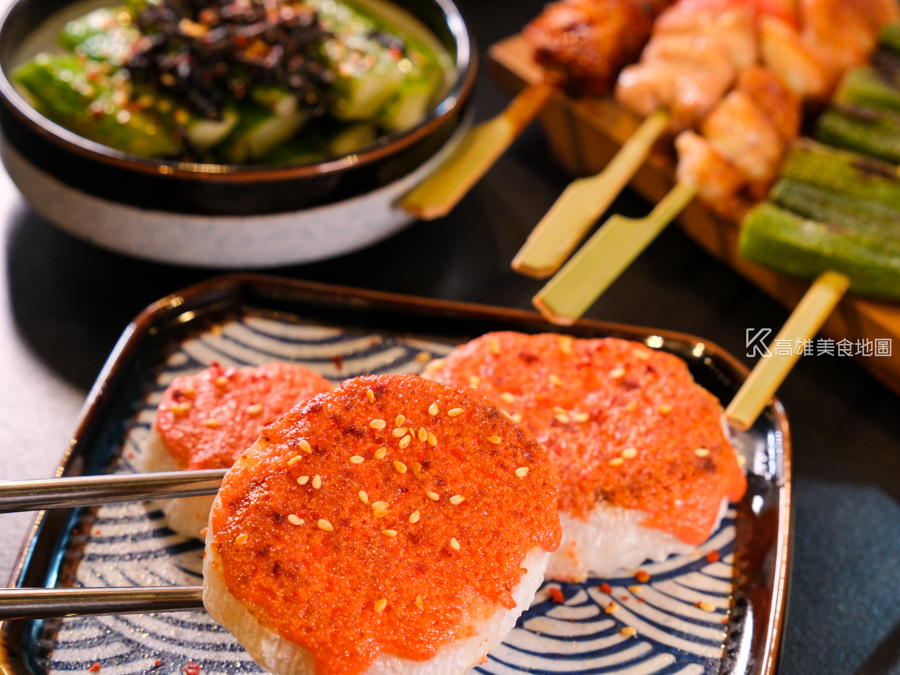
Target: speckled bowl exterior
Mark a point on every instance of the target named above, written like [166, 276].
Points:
[227, 190]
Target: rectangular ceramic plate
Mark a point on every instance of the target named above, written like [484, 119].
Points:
[248, 320]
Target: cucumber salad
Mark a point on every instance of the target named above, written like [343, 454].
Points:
[239, 81]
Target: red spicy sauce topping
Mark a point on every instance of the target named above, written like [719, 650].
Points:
[626, 425]
[400, 531]
[207, 420]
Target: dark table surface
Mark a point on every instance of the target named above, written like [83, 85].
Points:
[64, 303]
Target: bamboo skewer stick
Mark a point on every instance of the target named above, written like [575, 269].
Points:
[584, 201]
[48, 603]
[604, 257]
[52, 493]
[481, 146]
[768, 374]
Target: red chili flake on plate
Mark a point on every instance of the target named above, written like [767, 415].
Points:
[642, 576]
[625, 598]
[606, 588]
[338, 361]
[191, 668]
[712, 556]
[95, 668]
[556, 594]
[157, 663]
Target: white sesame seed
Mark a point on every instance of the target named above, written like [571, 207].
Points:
[433, 496]
[400, 431]
[317, 481]
[400, 420]
[400, 467]
[641, 354]
[628, 631]
[517, 418]
[457, 499]
[221, 381]
[629, 453]
[254, 409]
[521, 472]
[581, 417]
[294, 519]
[417, 469]
[325, 525]
[506, 397]
[380, 513]
[180, 409]
[455, 411]
[378, 424]
[494, 345]
[293, 460]
[474, 381]
[611, 607]
[454, 544]
[356, 459]
[423, 434]
[637, 590]
[554, 379]
[389, 533]
[616, 461]
[371, 396]
[494, 439]
[379, 505]
[701, 452]
[432, 439]
[665, 409]
[211, 423]
[363, 497]
[433, 409]
[617, 373]
[559, 410]
[423, 357]
[706, 606]
[565, 344]
[305, 446]
[562, 418]
[380, 605]
[241, 539]
[420, 603]
[404, 441]
[380, 452]
[303, 480]
[414, 517]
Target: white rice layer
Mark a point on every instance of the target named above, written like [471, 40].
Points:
[282, 657]
[612, 540]
[184, 515]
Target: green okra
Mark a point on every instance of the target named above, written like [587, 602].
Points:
[847, 173]
[805, 248]
[870, 131]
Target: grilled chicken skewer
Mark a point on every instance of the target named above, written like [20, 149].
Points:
[583, 44]
[699, 49]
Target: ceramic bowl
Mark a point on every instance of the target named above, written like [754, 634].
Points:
[220, 215]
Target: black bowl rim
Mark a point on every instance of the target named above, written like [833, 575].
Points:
[466, 70]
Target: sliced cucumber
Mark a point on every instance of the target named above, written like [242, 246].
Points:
[409, 107]
[353, 139]
[276, 98]
[95, 107]
[205, 134]
[106, 34]
[259, 131]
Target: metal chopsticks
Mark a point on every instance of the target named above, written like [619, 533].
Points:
[53, 493]
[46, 603]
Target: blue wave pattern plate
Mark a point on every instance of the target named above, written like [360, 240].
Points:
[688, 617]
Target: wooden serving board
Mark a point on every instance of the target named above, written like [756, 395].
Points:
[586, 132]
